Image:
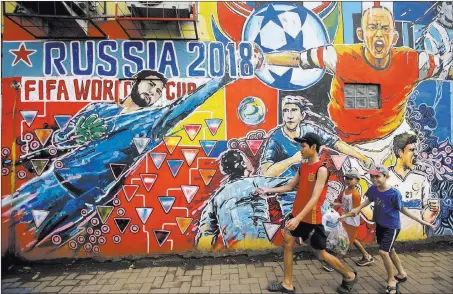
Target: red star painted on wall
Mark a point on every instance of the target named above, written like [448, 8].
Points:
[22, 54]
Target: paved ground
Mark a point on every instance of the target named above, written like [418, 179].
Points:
[429, 272]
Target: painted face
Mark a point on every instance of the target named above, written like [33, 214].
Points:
[306, 150]
[248, 166]
[409, 156]
[378, 180]
[445, 11]
[292, 116]
[378, 32]
[148, 91]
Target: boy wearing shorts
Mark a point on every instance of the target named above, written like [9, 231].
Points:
[306, 217]
[349, 200]
[387, 207]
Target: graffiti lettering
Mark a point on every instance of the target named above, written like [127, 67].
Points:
[178, 89]
[107, 57]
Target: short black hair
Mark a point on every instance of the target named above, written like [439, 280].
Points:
[401, 141]
[311, 139]
[232, 163]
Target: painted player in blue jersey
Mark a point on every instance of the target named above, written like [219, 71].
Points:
[101, 135]
[235, 213]
[281, 156]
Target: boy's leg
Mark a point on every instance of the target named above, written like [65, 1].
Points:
[367, 259]
[388, 267]
[287, 285]
[336, 264]
[362, 250]
[318, 243]
[399, 266]
[386, 238]
[288, 260]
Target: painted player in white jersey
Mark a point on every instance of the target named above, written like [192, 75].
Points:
[438, 36]
[414, 187]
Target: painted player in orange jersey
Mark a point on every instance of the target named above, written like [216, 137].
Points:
[397, 70]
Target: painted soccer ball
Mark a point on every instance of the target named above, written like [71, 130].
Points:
[285, 27]
[251, 111]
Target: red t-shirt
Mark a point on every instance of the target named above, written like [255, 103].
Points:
[307, 181]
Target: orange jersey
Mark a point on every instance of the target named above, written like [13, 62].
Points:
[396, 83]
[307, 180]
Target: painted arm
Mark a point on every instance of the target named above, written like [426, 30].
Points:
[435, 66]
[321, 57]
[271, 169]
[351, 151]
[208, 229]
[439, 47]
[183, 107]
[82, 127]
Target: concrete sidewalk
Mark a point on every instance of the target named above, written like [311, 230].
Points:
[429, 272]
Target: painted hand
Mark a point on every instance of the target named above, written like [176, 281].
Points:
[367, 162]
[258, 56]
[89, 129]
[433, 204]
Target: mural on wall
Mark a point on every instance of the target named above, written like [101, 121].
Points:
[118, 147]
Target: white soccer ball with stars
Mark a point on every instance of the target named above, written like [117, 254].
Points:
[285, 27]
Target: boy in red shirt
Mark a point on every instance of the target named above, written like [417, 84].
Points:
[306, 218]
[349, 200]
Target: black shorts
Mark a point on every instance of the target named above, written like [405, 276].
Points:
[386, 237]
[317, 240]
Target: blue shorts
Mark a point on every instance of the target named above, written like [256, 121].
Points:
[386, 237]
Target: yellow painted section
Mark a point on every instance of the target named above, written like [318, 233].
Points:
[207, 10]
[339, 36]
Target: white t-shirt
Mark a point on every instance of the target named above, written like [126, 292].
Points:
[348, 206]
[416, 190]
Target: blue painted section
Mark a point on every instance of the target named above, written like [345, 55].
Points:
[349, 8]
[413, 11]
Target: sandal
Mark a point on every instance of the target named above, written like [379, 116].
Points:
[346, 286]
[392, 290]
[400, 280]
[278, 287]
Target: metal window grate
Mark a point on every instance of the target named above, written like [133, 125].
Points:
[362, 96]
[157, 20]
[58, 19]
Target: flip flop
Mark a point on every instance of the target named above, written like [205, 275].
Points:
[278, 287]
[389, 289]
[400, 280]
[346, 286]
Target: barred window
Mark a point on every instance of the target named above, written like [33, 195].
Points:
[362, 96]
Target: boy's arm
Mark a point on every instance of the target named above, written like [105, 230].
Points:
[336, 205]
[407, 213]
[321, 180]
[356, 211]
[285, 188]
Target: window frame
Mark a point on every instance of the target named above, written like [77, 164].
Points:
[355, 86]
